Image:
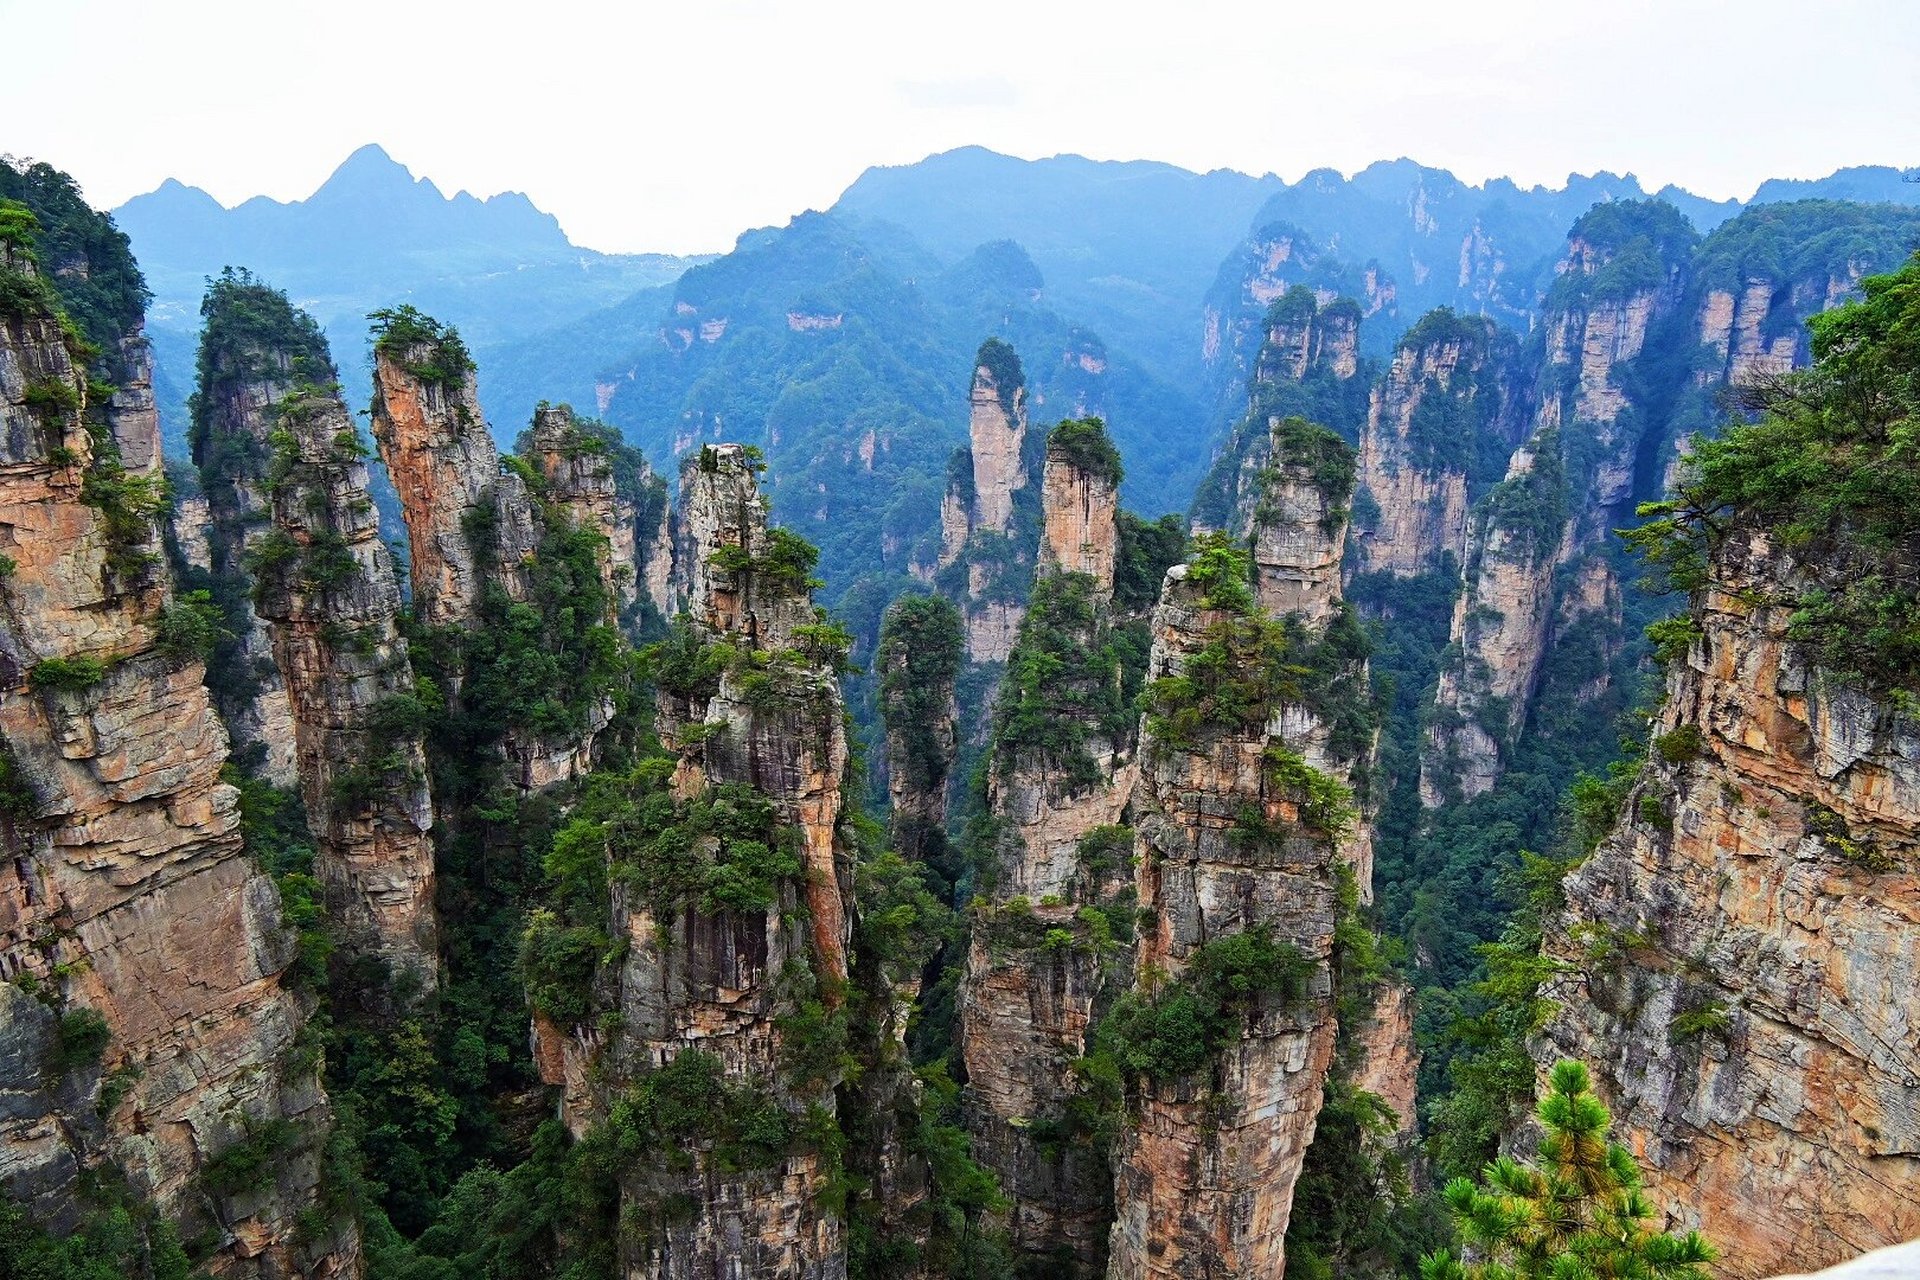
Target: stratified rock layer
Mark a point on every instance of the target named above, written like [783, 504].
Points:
[1206, 1174]
[724, 981]
[328, 587]
[1746, 946]
[126, 891]
[1037, 967]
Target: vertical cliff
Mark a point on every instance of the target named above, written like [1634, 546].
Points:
[1739, 952]
[1446, 413]
[986, 531]
[1052, 918]
[446, 469]
[921, 651]
[731, 897]
[1743, 944]
[254, 350]
[148, 1031]
[325, 581]
[486, 536]
[1611, 324]
[606, 486]
[1236, 870]
[1308, 366]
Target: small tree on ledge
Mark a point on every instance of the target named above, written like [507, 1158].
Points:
[1581, 1215]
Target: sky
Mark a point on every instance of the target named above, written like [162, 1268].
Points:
[673, 127]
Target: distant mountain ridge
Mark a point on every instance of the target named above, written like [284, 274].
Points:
[338, 222]
[374, 235]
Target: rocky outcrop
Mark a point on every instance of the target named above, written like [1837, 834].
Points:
[985, 551]
[145, 1026]
[326, 584]
[997, 434]
[473, 526]
[245, 376]
[1206, 1172]
[606, 486]
[446, 469]
[1501, 623]
[1740, 952]
[921, 650]
[712, 973]
[1079, 503]
[741, 578]
[1446, 401]
[1299, 527]
[1043, 953]
[1307, 366]
[1566, 489]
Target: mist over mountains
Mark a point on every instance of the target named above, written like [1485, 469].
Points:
[1134, 291]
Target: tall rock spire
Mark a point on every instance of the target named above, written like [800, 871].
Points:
[148, 1019]
[1053, 912]
[327, 585]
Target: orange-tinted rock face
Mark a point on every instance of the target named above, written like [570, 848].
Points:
[1078, 510]
[444, 465]
[125, 889]
[1743, 988]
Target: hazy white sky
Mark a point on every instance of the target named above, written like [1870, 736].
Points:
[650, 126]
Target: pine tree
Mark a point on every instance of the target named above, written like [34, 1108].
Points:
[1580, 1215]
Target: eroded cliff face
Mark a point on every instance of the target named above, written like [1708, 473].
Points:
[234, 453]
[472, 524]
[1564, 492]
[1206, 1172]
[1078, 509]
[1742, 950]
[1298, 537]
[609, 488]
[446, 469]
[997, 432]
[981, 535]
[126, 893]
[1044, 955]
[1447, 399]
[326, 584]
[727, 981]
[1307, 365]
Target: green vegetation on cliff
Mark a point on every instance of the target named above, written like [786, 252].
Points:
[83, 256]
[1579, 1212]
[1826, 474]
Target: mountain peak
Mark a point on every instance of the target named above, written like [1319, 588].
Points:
[370, 171]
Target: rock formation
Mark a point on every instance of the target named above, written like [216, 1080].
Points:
[984, 545]
[145, 1026]
[921, 650]
[1245, 819]
[607, 486]
[1742, 948]
[1307, 366]
[722, 982]
[1206, 1171]
[326, 584]
[1445, 403]
[446, 469]
[248, 369]
[1565, 490]
[1044, 947]
[476, 532]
